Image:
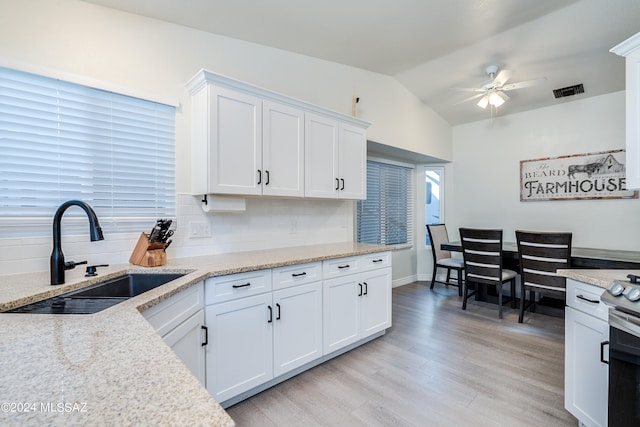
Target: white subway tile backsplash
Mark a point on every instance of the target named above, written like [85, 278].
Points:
[266, 223]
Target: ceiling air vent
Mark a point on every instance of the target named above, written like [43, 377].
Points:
[568, 91]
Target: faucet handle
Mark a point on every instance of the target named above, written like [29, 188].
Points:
[72, 264]
[91, 270]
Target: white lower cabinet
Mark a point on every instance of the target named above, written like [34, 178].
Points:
[240, 351]
[586, 375]
[355, 307]
[268, 325]
[180, 320]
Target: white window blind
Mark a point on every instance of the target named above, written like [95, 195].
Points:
[61, 141]
[386, 216]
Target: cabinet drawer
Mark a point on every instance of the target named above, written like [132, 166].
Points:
[164, 317]
[586, 298]
[377, 260]
[292, 275]
[232, 286]
[340, 267]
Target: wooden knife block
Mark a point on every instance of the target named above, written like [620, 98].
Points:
[148, 254]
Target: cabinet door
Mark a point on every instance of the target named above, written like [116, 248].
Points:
[240, 349]
[282, 150]
[235, 163]
[633, 120]
[321, 157]
[375, 310]
[297, 327]
[586, 377]
[186, 341]
[341, 312]
[353, 162]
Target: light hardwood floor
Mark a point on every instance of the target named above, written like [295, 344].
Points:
[437, 366]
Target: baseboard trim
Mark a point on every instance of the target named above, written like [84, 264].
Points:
[403, 281]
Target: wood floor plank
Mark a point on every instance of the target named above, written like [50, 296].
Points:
[437, 366]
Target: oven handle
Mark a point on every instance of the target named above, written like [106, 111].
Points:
[602, 344]
[625, 322]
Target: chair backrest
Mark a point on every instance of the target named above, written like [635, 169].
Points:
[541, 254]
[438, 235]
[482, 252]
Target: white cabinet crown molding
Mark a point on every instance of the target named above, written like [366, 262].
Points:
[204, 77]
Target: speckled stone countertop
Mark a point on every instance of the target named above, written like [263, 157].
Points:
[601, 278]
[111, 368]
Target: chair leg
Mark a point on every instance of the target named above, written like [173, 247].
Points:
[464, 295]
[499, 301]
[532, 303]
[523, 298]
[459, 272]
[513, 293]
[433, 278]
[448, 277]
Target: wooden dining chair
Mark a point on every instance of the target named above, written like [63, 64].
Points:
[541, 254]
[482, 253]
[443, 259]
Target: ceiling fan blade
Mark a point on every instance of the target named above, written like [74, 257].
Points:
[470, 98]
[502, 77]
[526, 83]
[467, 89]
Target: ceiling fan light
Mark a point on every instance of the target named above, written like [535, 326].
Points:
[484, 101]
[496, 100]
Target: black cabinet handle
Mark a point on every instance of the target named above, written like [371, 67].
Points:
[241, 286]
[344, 266]
[337, 184]
[342, 181]
[304, 273]
[259, 176]
[366, 288]
[267, 182]
[206, 335]
[278, 316]
[582, 297]
[270, 314]
[377, 260]
[602, 344]
[360, 293]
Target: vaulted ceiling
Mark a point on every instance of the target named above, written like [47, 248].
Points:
[432, 46]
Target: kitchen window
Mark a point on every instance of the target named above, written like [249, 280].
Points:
[386, 216]
[61, 141]
[433, 182]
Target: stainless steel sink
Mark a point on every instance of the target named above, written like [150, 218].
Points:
[99, 296]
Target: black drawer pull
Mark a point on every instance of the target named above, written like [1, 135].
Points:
[602, 344]
[206, 335]
[360, 285]
[304, 273]
[267, 183]
[337, 184]
[582, 297]
[344, 266]
[270, 314]
[242, 286]
[342, 181]
[378, 260]
[259, 176]
[278, 316]
[366, 288]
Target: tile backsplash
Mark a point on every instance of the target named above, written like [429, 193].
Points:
[266, 223]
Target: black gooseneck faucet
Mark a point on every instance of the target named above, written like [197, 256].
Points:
[57, 264]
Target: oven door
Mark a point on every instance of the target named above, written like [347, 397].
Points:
[624, 369]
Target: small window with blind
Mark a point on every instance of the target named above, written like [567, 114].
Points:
[386, 216]
[61, 141]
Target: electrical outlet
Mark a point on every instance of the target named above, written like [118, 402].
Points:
[199, 229]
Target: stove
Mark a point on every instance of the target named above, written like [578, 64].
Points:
[624, 296]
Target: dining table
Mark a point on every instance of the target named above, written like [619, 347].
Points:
[580, 257]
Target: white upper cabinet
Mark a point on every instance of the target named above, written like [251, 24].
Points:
[630, 49]
[246, 140]
[282, 150]
[335, 159]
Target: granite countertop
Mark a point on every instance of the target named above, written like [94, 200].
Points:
[111, 367]
[601, 278]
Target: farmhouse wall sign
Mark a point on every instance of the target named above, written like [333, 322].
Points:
[580, 176]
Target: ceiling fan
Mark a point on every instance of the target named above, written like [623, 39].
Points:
[492, 91]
